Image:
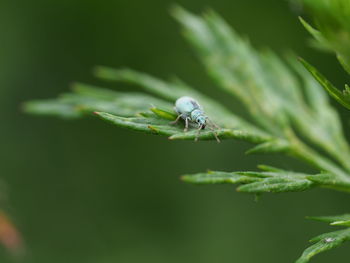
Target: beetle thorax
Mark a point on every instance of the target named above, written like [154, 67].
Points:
[198, 116]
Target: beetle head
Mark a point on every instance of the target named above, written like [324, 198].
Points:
[201, 121]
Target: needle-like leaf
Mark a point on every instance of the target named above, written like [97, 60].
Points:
[256, 182]
[331, 219]
[341, 97]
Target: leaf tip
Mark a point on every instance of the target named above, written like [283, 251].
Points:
[153, 129]
[175, 10]
[24, 107]
[238, 189]
[97, 70]
[301, 59]
[302, 20]
[73, 85]
[184, 178]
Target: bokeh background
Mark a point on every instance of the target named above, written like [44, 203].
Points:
[85, 191]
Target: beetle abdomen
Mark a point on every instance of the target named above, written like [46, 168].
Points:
[185, 105]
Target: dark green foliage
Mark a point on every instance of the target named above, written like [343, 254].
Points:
[269, 89]
[332, 18]
[290, 110]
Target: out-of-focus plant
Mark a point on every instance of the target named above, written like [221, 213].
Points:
[332, 33]
[290, 110]
[10, 236]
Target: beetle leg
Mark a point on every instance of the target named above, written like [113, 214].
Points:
[177, 119]
[216, 137]
[198, 133]
[215, 134]
[186, 125]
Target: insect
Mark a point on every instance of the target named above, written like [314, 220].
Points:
[189, 110]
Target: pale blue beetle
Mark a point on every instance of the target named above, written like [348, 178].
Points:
[189, 109]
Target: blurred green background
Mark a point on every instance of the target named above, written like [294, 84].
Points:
[85, 191]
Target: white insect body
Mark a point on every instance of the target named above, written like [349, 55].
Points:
[190, 110]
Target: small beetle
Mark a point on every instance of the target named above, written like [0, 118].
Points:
[189, 109]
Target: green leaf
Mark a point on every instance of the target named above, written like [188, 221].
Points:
[319, 123]
[91, 98]
[255, 182]
[149, 83]
[277, 185]
[331, 219]
[330, 240]
[160, 126]
[332, 19]
[148, 125]
[235, 66]
[269, 89]
[341, 223]
[155, 114]
[331, 180]
[268, 168]
[52, 108]
[175, 89]
[290, 111]
[274, 146]
[271, 179]
[164, 114]
[316, 34]
[86, 99]
[328, 86]
[222, 134]
[323, 243]
[217, 178]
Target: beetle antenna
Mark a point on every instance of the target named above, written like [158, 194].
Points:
[213, 124]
